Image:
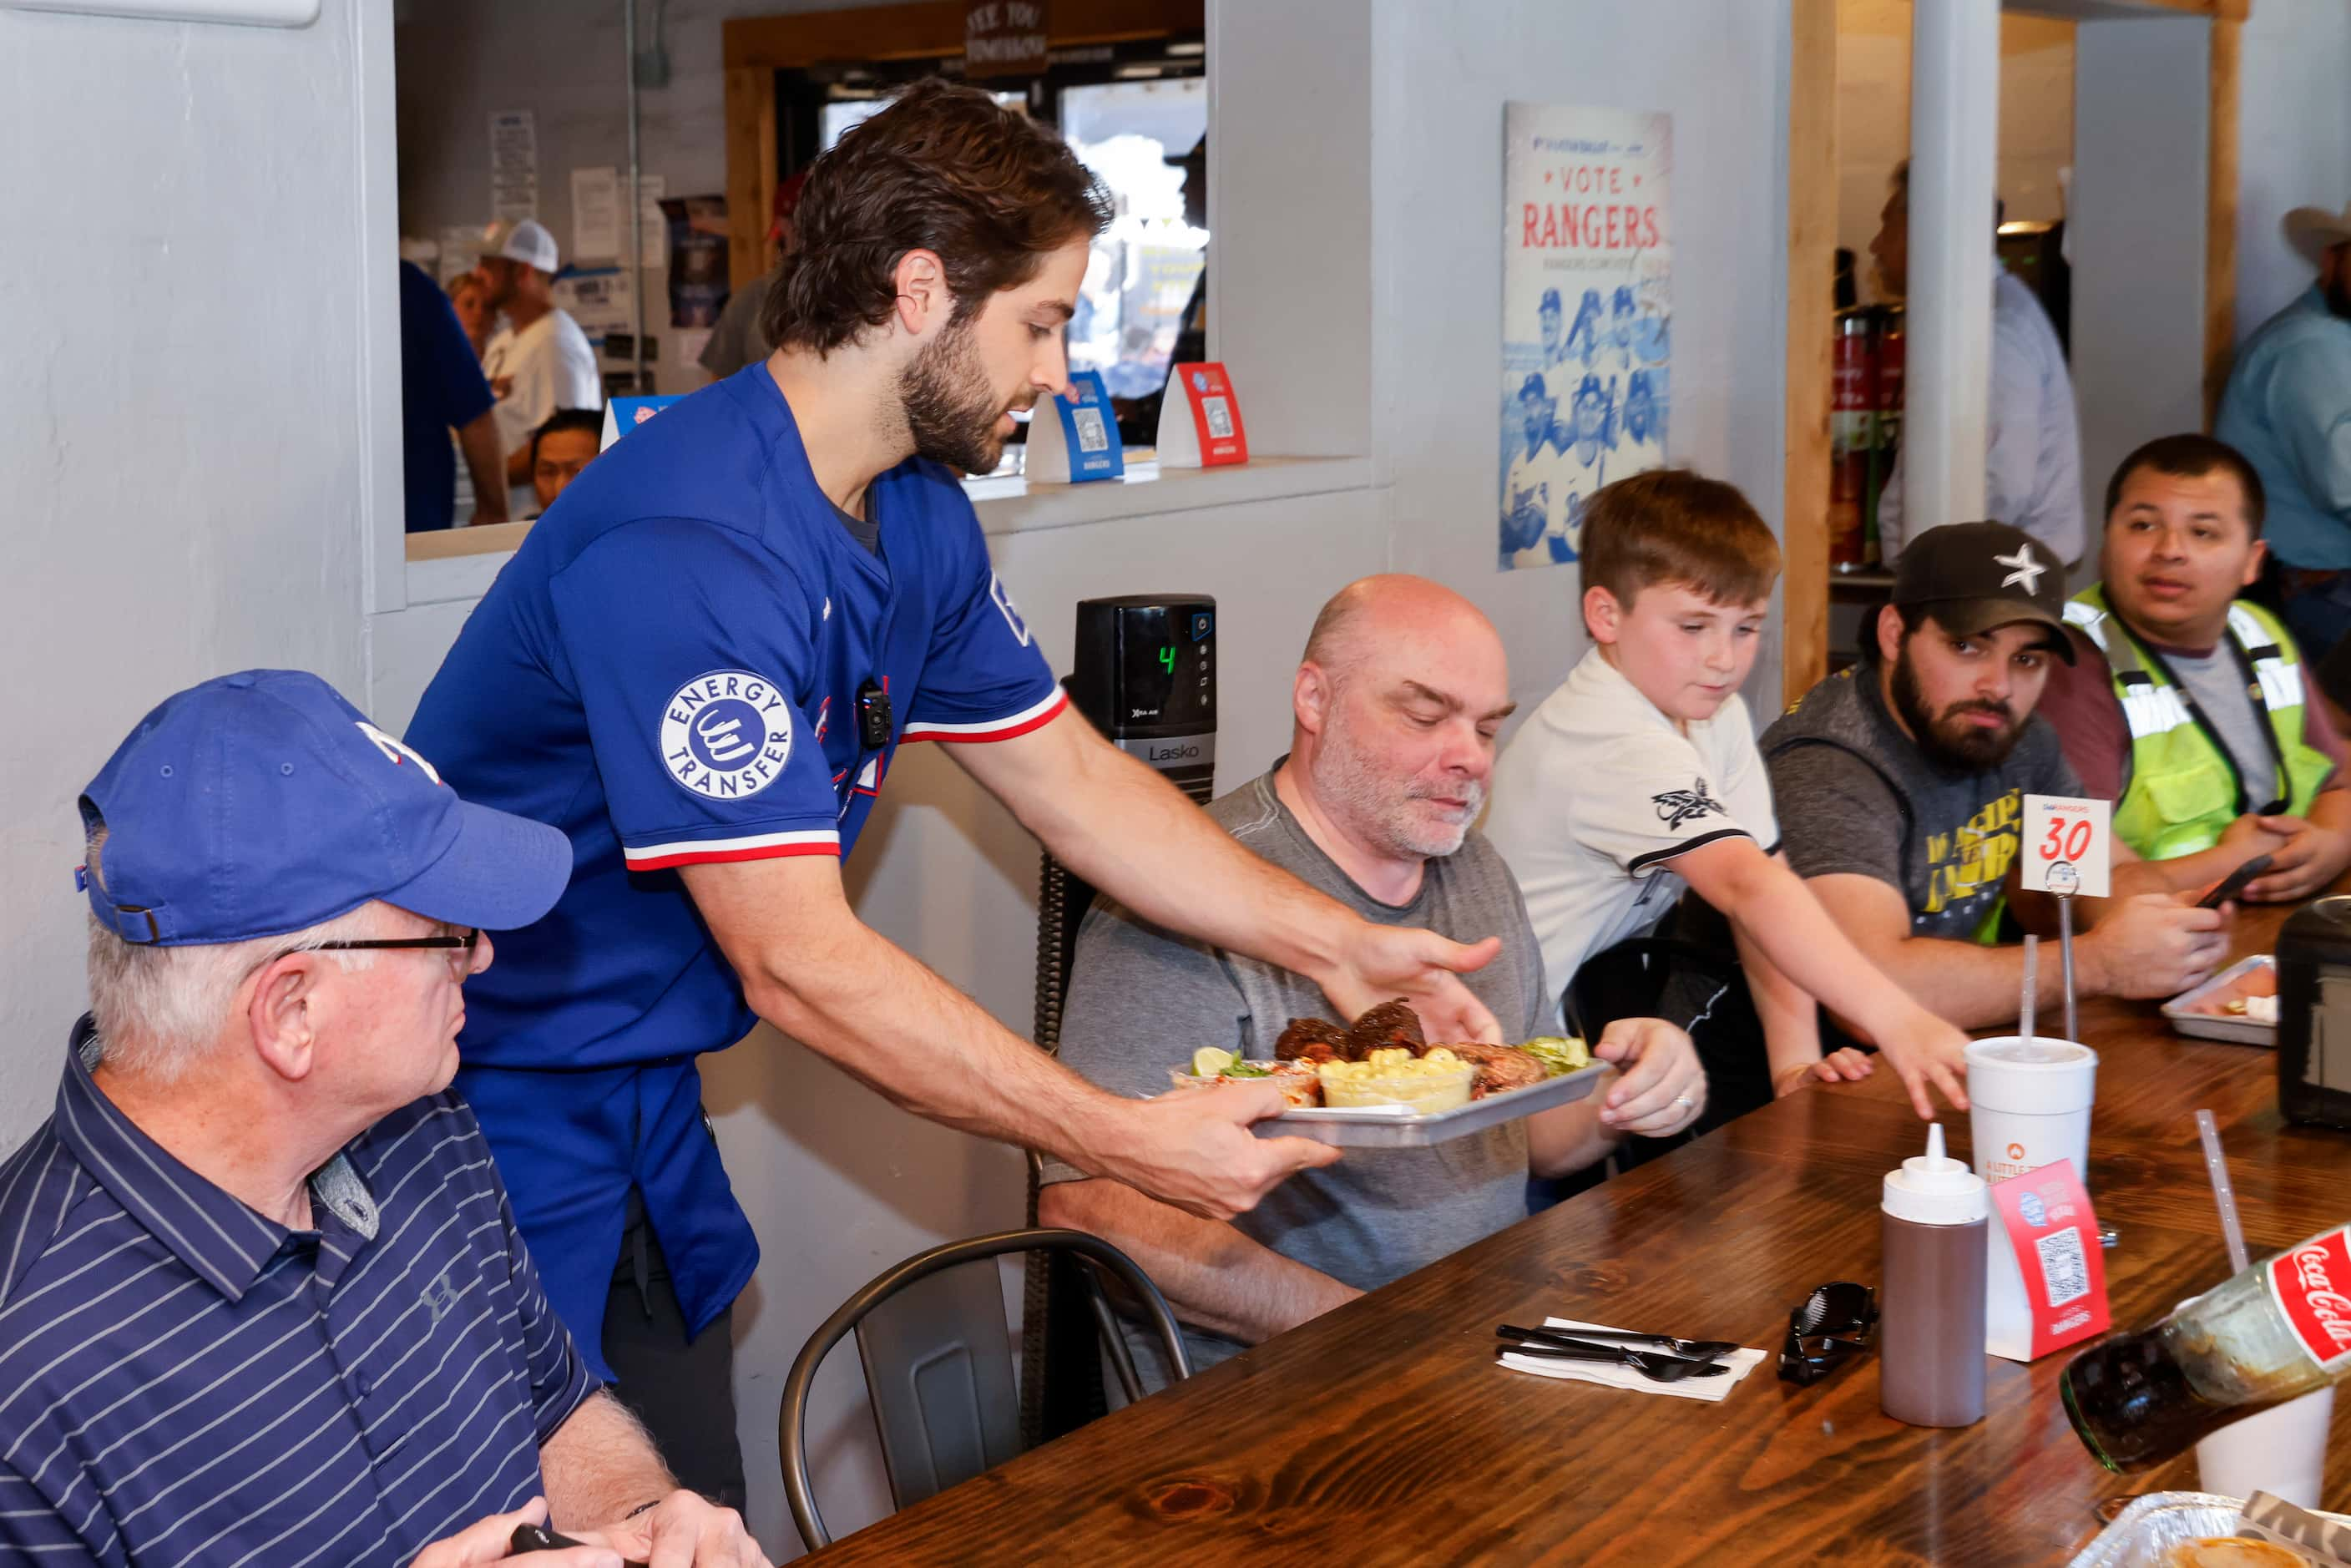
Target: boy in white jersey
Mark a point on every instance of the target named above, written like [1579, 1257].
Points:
[1640, 775]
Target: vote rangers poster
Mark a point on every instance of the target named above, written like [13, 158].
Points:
[1587, 314]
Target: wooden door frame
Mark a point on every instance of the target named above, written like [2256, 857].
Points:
[1812, 260]
[754, 48]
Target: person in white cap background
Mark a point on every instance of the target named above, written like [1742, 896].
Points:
[539, 362]
[2287, 407]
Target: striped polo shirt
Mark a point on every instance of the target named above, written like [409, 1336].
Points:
[183, 1380]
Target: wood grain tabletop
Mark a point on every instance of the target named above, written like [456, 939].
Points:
[1385, 1433]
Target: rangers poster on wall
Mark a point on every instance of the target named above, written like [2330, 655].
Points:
[1587, 274]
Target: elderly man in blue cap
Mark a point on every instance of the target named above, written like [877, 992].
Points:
[261, 1295]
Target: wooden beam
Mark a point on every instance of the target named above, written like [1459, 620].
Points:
[754, 48]
[910, 31]
[750, 127]
[1812, 266]
[2220, 215]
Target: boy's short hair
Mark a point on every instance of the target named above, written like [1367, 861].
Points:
[2192, 457]
[1673, 525]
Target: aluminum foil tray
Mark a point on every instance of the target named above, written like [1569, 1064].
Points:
[2221, 1026]
[2155, 1523]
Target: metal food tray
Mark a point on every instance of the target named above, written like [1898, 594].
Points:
[1351, 1129]
[2152, 1525]
[2233, 1030]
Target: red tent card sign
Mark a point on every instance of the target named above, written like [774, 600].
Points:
[1200, 421]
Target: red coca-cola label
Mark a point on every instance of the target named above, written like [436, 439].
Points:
[2312, 1286]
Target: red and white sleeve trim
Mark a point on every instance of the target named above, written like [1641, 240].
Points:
[1032, 717]
[757, 847]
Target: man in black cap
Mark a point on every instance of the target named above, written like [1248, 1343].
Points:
[1901, 788]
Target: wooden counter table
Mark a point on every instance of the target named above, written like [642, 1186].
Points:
[1385, 1432]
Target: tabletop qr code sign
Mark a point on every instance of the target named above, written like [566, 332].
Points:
[2063, 1268]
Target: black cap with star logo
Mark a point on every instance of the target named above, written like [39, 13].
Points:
[1972, 577]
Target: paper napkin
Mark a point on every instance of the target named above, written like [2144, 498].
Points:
[1713, 1390]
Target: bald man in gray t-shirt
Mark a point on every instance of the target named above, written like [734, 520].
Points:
[1403, 686]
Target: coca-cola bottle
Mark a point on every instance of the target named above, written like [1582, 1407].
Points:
[2279, 1329]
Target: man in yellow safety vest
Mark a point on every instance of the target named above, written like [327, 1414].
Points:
[2197, 723]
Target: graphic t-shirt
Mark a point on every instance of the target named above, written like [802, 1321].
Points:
[1142, 999]
[1599, 791]
[1858, 798]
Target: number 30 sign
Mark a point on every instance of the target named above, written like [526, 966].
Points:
[2068, 845]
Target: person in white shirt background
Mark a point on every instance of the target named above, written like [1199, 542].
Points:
[2032, 440]
[539, 360]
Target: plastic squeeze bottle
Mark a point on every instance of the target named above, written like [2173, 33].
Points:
[1932, 1317]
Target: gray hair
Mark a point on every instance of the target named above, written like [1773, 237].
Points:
[158, 1009]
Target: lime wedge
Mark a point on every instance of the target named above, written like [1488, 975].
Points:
[1208, 1062]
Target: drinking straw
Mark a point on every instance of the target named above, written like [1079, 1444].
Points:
[2066, 949]
[2224, 1194]
[2031, 977]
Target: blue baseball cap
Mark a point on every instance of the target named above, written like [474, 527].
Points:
[262, 803]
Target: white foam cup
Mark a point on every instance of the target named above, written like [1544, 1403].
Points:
[2029, 1104]
[2281, 1451]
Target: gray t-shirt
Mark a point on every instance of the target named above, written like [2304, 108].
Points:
[1142, 999]
[1856, 796]
[2217, 682]
[739, 337]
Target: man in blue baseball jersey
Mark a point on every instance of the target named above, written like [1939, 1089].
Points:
[700, 666]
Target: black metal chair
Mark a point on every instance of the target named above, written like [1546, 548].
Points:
[938, 1366]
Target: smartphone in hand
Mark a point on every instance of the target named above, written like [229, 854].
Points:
[2233, 884]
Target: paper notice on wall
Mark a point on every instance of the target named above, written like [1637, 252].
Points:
[651, 189]
[595, 213]
[514, 165]
[1587, 307]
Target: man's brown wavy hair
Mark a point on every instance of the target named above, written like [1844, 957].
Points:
[944, 169]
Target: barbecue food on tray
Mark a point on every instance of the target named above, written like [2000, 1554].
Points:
[1409, 1071]
[2251, 994]
[2229, 1551]
[1391, 1026]
[1429, 1084]
[1212, 1066]
[1501, 1068]
[1311, 1039]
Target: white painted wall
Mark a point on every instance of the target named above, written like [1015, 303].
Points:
[181, 427]
[2293, 142]
[1443, 75]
